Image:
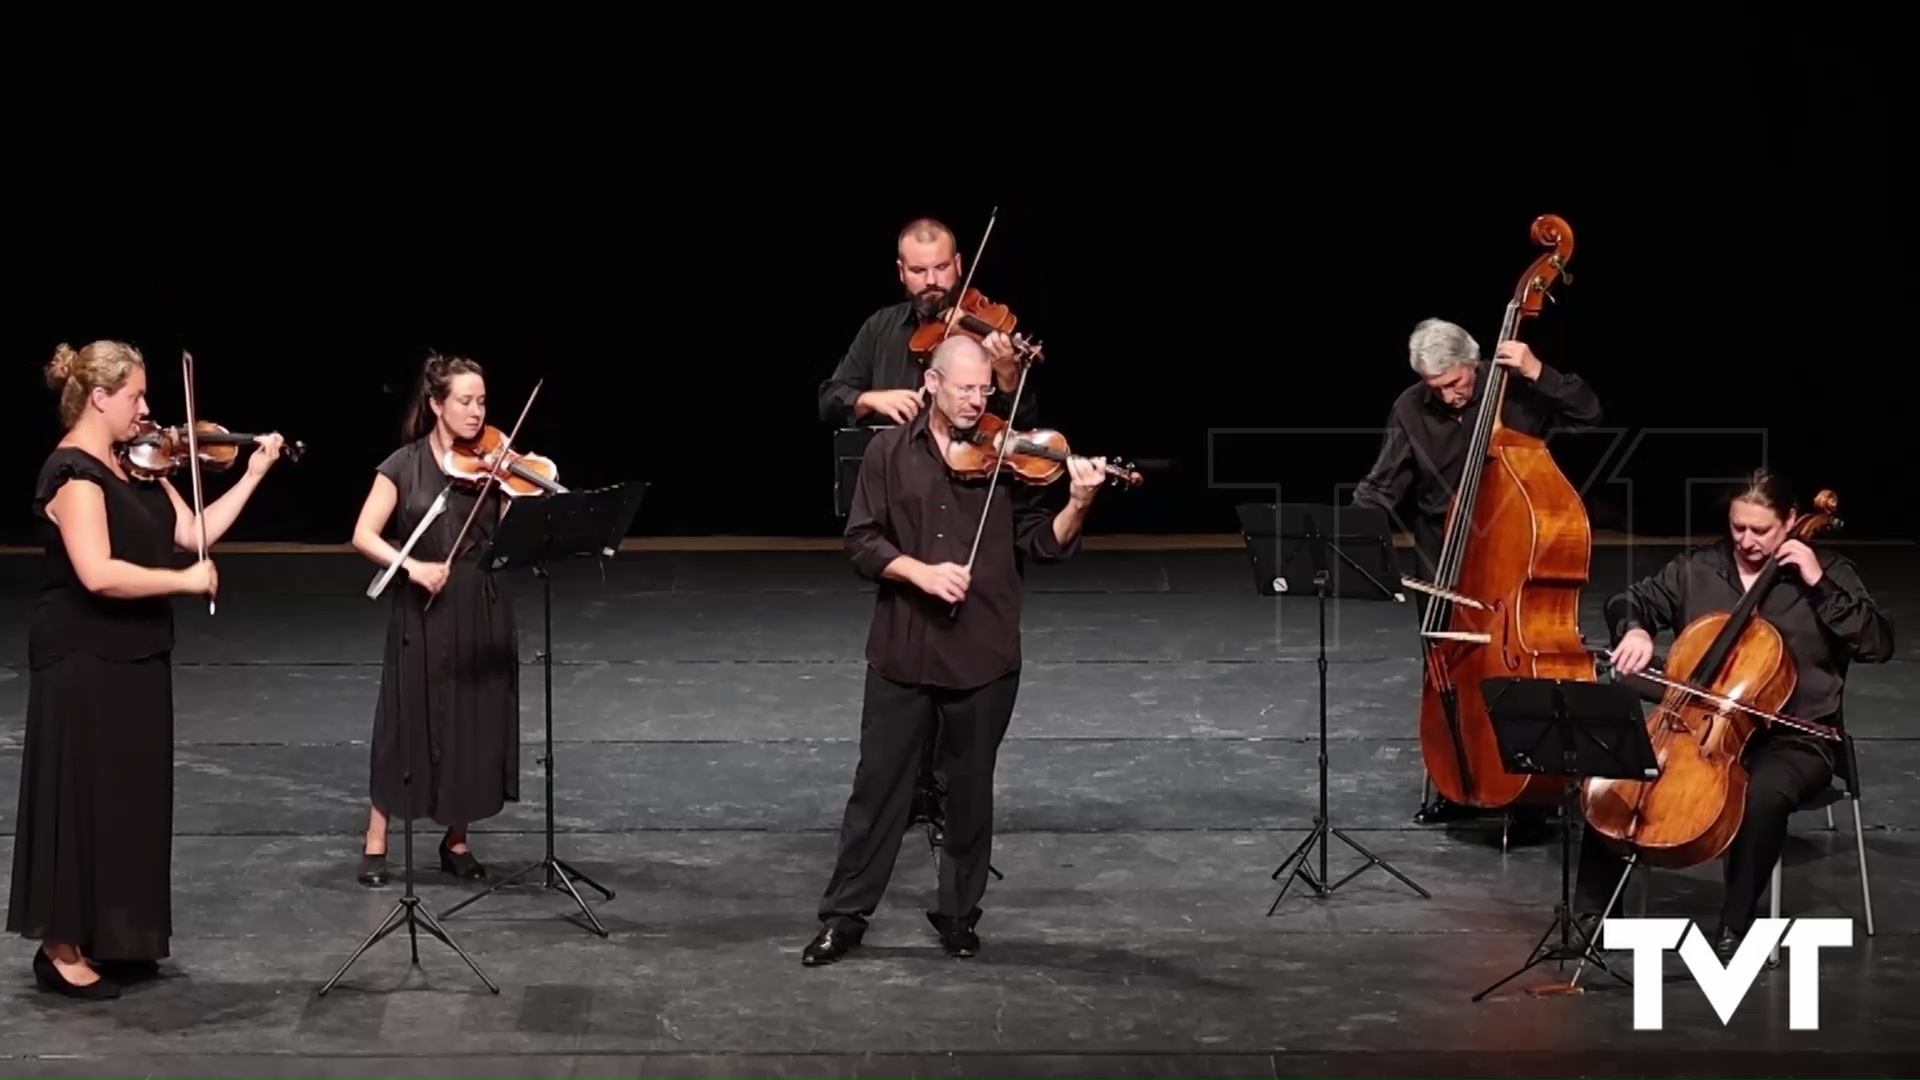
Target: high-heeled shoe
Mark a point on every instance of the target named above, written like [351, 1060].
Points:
[49, 979]
[460, 864]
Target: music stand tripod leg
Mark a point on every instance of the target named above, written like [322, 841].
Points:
[559, 876]
[1317, 545]
[408, 911]
[1545, 727]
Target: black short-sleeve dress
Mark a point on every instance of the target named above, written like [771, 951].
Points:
[93, 846]
[450, 685]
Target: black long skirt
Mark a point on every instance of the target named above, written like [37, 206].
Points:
[93, 847]
[446, 730]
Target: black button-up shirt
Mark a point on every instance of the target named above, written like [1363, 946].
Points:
[907, 503]
[879, 359]
[1426, 443]
[1826, 626]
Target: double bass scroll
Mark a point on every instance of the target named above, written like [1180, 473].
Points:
[1516, 554]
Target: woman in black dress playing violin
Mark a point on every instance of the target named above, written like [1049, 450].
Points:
[449, 706]
[93, 844]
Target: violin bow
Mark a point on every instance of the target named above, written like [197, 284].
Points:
[487, 485]
[1000, 451]
[193, 463]
[972, 266]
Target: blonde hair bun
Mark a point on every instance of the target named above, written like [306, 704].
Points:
[62, 366]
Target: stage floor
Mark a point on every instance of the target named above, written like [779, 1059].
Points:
[1160, 765]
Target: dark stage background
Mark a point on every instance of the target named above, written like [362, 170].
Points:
[1733, 296]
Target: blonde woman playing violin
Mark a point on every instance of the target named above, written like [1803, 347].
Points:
[93, 838]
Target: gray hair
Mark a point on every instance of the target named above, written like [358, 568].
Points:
[945, 352]
[1438, 345]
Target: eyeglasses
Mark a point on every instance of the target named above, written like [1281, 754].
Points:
[984, 391]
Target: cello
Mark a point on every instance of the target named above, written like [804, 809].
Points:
[1516, 554]
[1727, 674]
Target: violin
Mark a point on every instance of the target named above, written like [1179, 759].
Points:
[974, 316]
[155, 451]
[1517, 550]
[1037, 456]
[1727, 674]
[519, 474]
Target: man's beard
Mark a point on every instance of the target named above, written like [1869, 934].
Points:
[928, 304]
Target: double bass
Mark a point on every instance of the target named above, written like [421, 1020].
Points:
[1727, 674]
[1516, 554]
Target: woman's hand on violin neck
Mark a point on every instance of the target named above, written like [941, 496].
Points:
[1634, 652]
[1086, 476]
[1799, 556]
[266, 451]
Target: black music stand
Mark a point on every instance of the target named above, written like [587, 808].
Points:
[1571, 729]
[1287, 544]
[534, 533]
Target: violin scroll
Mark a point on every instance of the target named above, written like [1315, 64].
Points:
[1536, 285]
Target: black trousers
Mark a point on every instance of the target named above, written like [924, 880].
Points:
[895, 722]
[1783, 771]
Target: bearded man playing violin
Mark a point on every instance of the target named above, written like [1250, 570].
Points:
[1826, 619]
[880, 381]
[943, 652]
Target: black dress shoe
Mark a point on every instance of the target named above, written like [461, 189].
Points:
[461, 864]
[830, 944]
[956, 935]
[373, 870]
[48, 978]
[1443, 809]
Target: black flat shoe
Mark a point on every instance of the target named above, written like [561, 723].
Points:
[49, 979]
[461, 864]
[373, 870]
[830, 944]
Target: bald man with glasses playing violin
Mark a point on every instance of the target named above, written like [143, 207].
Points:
[878, 383]
[943, 652]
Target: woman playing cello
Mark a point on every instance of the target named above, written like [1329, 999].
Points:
[1825, 618]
